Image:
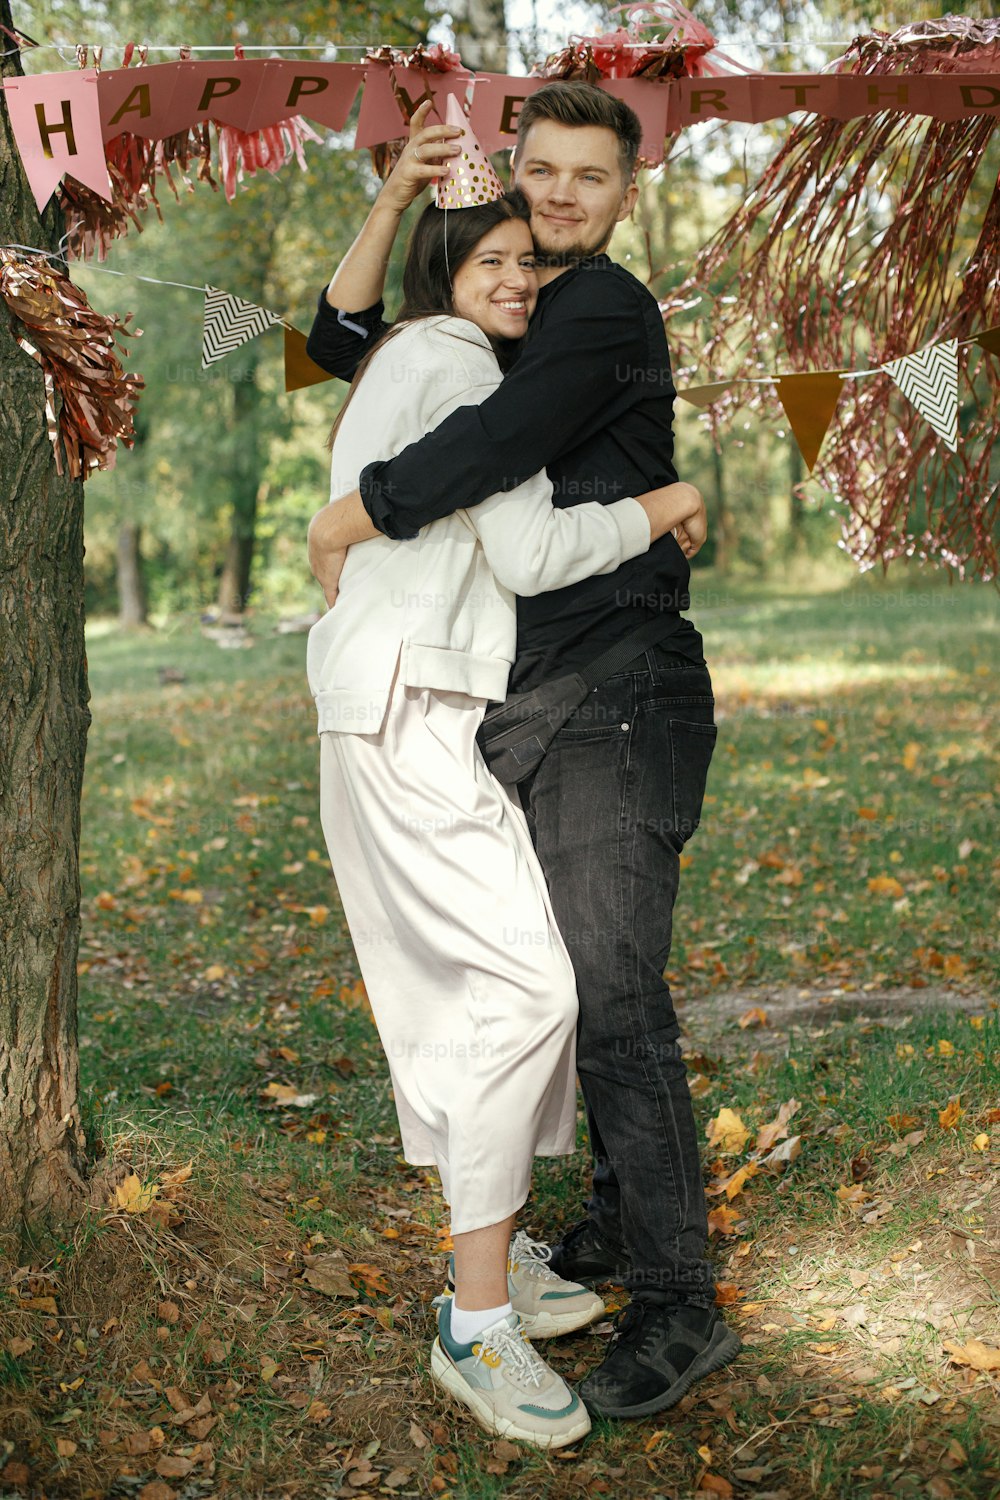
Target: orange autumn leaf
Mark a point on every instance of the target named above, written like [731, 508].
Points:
[974, 1354]
[739, 1180]
[726, 1292]
[714, 1484]
[371, 1276]
[885, 885]
[723, 1220]
[949, 1117]
[853, 1197]
[753, 1017]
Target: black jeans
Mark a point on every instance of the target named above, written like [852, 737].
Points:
[610, 808]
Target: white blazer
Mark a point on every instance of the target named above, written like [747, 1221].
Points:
[444, 603]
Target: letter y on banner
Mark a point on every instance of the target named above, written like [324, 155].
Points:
[56, 119]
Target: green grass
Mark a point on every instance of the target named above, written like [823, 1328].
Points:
[215, 963]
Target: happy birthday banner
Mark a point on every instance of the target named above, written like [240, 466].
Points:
[62, 120]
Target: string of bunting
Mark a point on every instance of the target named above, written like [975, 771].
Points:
[928, 377]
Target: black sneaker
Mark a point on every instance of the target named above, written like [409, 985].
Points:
[583, 1257]
[657, 1353]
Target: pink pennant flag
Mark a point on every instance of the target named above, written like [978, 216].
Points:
[649, 98]
[56, 121]
[392, 94]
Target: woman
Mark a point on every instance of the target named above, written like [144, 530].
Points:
[469, 981]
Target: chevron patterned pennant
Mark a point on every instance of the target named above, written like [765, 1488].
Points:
[929, 379]
[230, 322]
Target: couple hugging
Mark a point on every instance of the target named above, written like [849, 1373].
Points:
[504, 483]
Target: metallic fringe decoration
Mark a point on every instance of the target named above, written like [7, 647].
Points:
[75, 346]
[843, 256]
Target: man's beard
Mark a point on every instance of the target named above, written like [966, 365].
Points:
[568, 255]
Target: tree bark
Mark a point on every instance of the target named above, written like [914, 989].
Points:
[43, 733]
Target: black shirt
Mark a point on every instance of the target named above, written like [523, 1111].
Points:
[590, 400]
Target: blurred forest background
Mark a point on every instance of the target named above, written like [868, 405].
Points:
[211, 506]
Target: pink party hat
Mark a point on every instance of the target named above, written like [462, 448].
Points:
[468, 179]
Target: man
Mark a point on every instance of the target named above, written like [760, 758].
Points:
[590, 399]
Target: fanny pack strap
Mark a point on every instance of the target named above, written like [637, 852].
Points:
[621, 653]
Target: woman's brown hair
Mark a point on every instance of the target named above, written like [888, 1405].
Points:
[439, 246]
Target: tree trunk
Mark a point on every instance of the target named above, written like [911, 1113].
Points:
[723, 517]
[480, 28]
[132, 604]
[43, 734]
[796, 511]
[234, 583]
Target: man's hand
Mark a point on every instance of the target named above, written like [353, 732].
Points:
[326, 563]
[692, 532]
[428, 151]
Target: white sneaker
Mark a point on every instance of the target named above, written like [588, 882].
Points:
[506, 1384]
[547, 1305]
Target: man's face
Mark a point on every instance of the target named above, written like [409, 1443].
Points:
[571, 176]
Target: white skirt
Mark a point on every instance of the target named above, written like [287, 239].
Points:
[469, 980]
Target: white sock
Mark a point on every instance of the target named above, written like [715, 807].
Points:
[466, 1325]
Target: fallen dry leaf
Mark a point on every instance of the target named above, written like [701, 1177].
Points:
[173, 1466]
[885, 885]
[753, 1017]
[371, 1276]
[134, 1196]
[283, 1093]
[329, 1274]
[976, 1355]
[949, 1117]
[726, 1292]
[723, 1220]
[784, 1154]
[777, 1129]
[727, 1132]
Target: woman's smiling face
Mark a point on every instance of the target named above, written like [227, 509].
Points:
[496, 287]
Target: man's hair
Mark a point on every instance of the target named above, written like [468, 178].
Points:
[573, 102]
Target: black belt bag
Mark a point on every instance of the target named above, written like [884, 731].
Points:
[515, 735]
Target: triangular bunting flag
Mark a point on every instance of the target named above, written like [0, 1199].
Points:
[300, 370]
[810, 401]
[989, 339]
[929, 379]
[704, 395]
[230, 322]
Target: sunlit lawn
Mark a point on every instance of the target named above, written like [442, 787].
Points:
[846, 849]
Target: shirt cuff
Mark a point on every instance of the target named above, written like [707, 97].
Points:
[369, 318]
[633, 527]
[375, 499]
